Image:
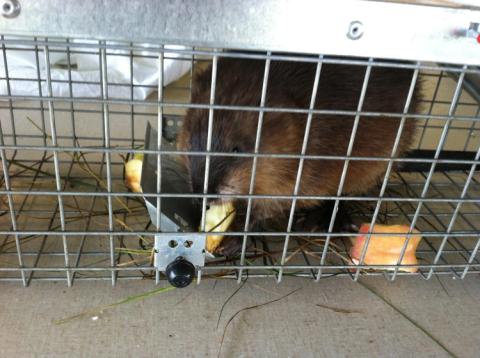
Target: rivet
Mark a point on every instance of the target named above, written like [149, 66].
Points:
[10, 8]
[355, 30]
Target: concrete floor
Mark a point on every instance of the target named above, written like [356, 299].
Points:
[334, 318]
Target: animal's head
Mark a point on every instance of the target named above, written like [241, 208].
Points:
[230, 134]
[234, 131]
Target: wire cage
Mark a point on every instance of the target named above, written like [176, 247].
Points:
[66, 214]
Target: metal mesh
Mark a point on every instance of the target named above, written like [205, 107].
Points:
[65, 213]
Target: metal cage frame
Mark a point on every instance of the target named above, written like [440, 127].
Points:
[437, 192]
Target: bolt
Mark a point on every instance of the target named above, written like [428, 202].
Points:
[355, 30]
[10, 8]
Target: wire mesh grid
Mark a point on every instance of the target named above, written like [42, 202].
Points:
[65, 213]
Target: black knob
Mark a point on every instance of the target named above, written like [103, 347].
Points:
[180, 272]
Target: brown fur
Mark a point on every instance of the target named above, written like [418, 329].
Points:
[290, 84]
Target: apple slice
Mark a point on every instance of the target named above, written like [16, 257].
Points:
[218, 219]
[386, 250]
[133, 173]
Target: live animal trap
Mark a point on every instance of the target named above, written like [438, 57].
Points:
[79, 98]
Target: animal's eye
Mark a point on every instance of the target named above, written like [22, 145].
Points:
[235, 149]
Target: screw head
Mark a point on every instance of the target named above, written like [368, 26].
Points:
[355, 30]
[180, 272]
[10, 8]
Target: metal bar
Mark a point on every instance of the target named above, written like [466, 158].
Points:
[345, 165]
[24, 201]
[9, 92]
[93, 149]
[132, 116]
[83, 239]
[11, 207]
[132, 85]
[444, 227]
[237, 108]
[238, 196]
[209, 139]
[439, 101]
[24, 174]
[231, 233]
[106, 254]
[471, 130]
[425, 219]
[106, 128]
[42, 109]
[447, 164]
[455, 213]
[58, 182]
[441, 142]
[60, 45]
[156, 47]
[462, 214]
[470, 260]
[14, 135]
[174, 116]
[254, 166]
[87, 225]
[181, 105]
[93, 111]
[430, 109]
[233, 267]
[225, 276]
[192, 64]
[111, 84]
[159, 146]
[50, 227]
[301, 163]
[388, 171]
[138, 212]
[126, 47]
[70, 92]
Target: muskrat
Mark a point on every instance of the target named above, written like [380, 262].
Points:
[290, 84]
